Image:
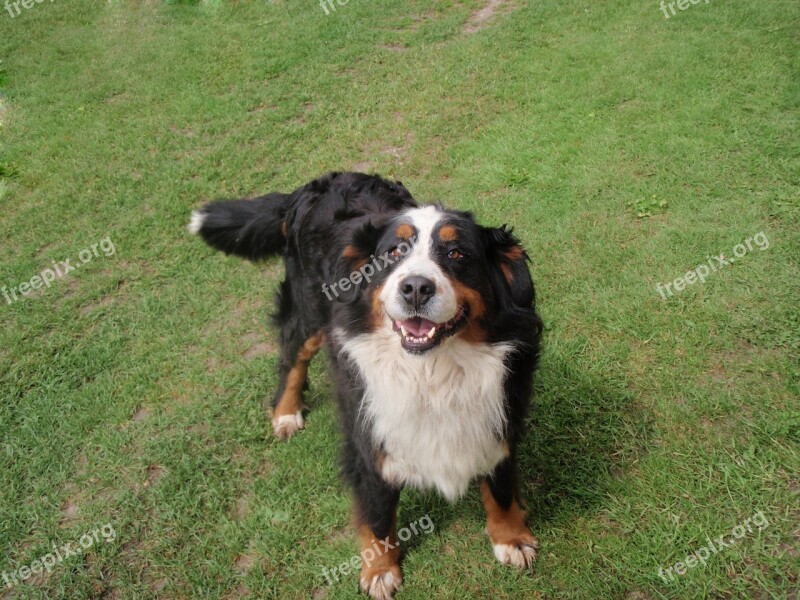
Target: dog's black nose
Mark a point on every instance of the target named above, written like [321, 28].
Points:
[417, 290]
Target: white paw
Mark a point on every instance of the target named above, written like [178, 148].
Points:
[520, 555]
[286, 426]
[383, 585]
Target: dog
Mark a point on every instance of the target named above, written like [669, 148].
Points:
[433, 340]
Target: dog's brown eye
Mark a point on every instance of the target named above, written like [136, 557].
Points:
[395, 251]
[455, 254]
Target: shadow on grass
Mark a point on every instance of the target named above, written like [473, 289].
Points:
[584, 432]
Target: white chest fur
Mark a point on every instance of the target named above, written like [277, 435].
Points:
[439, 416]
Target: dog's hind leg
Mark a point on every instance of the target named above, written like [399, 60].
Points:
[287, 406]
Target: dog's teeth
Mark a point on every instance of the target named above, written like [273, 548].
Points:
[403, 331]
[431, 333]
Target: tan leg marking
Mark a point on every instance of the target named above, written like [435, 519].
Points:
[513, 542]
[381, 578]
[287, 416]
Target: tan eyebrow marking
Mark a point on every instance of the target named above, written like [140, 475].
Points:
[351, 252]
[514, 253]
[448, 233]
[404, 231]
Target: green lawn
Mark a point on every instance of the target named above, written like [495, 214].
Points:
[625, 147]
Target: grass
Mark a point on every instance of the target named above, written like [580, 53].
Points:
[624, 147]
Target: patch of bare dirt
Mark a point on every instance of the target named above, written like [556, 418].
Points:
[632, 103]
[718, 374]
[154, 474]
[256, 350]
[69, 512]
[201, 429]
[186, 131]
[118, 98]
[80, 491]
[141, 415]
[398, 151]
[481, 18]
[338, 535]
[263, 106]
[91, 307]
[242, 508]
[265, 468]
[45, 249]
[80, 463]
[241, 591]
[183, 398]
[302, 118]
[66, 291]
[363, 167]
[214, 363]
[244, 562]
[257, 345]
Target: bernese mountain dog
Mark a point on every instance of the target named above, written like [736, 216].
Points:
[433, 340]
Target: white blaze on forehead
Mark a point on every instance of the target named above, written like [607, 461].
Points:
[424, 221]
[420, 262]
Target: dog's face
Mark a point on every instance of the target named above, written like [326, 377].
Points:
[441, 275]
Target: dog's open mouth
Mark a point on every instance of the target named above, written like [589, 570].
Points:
[419, 335]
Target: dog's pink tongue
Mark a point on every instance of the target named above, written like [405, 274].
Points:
[418, 326]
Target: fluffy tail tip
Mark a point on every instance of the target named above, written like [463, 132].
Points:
[196, 222]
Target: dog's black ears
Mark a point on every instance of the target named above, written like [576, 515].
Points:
[356, 266]
[510, 266]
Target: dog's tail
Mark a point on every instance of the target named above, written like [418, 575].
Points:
[253, 229]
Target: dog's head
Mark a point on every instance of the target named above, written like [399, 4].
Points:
[432, 274]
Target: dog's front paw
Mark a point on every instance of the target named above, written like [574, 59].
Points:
[519, 552]
[381, 583]
[286, 426]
